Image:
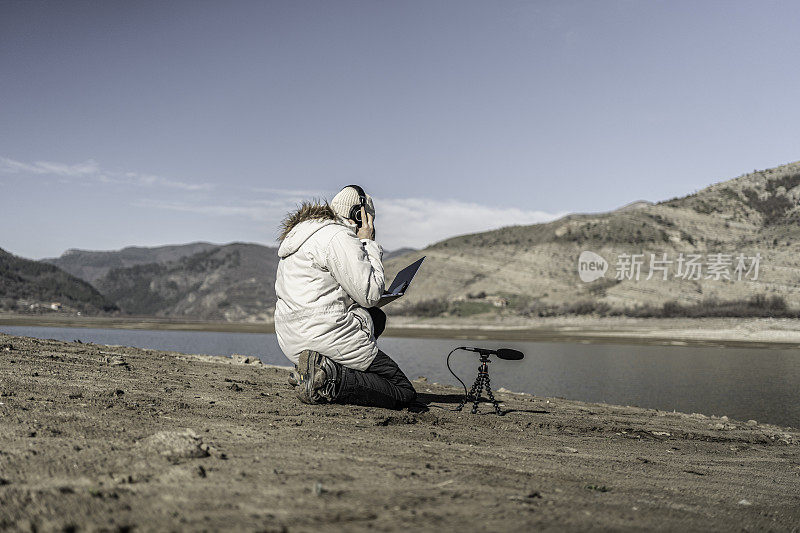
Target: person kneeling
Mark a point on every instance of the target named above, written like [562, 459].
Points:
[330, 277]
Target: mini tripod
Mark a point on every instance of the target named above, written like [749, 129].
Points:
[480, 382]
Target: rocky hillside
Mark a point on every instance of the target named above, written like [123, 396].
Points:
[231, 282]
[30, 286]
[533, 270]
[93, 265]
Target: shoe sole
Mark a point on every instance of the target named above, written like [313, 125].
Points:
[307, 366]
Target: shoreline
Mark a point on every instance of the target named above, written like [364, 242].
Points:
[714, 332]
[95, 437]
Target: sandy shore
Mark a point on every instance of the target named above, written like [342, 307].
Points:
[114, 438]
[739, 332]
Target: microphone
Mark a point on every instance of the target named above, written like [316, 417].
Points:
[502, 353]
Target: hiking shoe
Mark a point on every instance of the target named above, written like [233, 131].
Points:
[317, 378]
[332, 378]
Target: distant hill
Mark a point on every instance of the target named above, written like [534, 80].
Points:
[388, 254]
[27, 286]
[93, 265]
[197, 280]
[231, 282]
[532, 270]
[633, 206]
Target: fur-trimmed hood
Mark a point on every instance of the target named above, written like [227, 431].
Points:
[301, 224]
[306, 211]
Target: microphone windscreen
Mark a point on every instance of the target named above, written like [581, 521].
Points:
[509, 354]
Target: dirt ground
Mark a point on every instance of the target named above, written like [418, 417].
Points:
[114, 438]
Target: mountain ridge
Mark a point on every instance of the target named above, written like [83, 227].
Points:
[33, 286]
[91, 265]
[233, 282]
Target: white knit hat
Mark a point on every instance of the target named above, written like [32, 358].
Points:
[346, 199]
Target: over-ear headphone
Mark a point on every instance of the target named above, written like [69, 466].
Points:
[355, 211]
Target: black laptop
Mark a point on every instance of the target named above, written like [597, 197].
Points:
[400, 284]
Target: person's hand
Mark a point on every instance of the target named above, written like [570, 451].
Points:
[367, 230]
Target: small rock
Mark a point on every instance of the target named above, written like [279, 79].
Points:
[235, 387]
[567, 449]
[318, 489]
[724, 418]
[177, 445]
[752, 423]
[116, 361]
[745, 502]
[422, 379]
[240, 359]
[718, 425]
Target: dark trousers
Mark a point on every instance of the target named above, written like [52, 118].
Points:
[383, 384]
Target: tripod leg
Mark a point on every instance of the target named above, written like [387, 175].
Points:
[471, 393]
[491, 395]
[479, 383]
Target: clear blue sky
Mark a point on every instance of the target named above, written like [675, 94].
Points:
[145, 123]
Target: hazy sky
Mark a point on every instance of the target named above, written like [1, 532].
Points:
[146, 123]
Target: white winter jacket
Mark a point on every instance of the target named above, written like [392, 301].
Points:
[326, 278]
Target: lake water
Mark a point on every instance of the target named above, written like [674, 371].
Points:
[760, 384]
